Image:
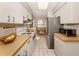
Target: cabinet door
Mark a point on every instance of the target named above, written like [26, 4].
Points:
[76, 12]
[30, 46]
[3, 12]
[58, 46]
[22, 52]
[19, 15]
[33, 44]
[67, 13]
[27, 49]
[15, 12]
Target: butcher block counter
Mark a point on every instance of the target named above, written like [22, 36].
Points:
[12, 48]
[67, 39]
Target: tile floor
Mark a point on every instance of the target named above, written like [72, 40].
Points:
[41, 48]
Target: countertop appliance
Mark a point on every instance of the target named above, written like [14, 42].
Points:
[70, 32]
[61, 30]
[53, 26]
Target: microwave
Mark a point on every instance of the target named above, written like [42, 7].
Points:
[70, 32]
[61, 30]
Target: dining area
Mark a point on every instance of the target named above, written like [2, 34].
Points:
[41, 27]
[41, 30]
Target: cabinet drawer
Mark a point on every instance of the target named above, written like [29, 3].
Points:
[22, 52]
[27, 49]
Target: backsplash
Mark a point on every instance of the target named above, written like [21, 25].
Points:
[6, 31]
[72, 27]
[20, 30]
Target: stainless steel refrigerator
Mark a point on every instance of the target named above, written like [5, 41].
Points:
[53, 26]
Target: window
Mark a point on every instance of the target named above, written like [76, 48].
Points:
[40, 23]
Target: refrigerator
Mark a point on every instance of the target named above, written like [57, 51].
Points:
[53, 25]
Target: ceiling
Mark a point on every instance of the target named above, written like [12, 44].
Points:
[33, 8]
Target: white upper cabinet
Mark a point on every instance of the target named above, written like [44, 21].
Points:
[69, 13]
[16, 13]
[76, 12]
[3, 13]
[12, 12]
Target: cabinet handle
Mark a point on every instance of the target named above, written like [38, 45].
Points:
[13, 19]
[28, 41]
[33, 37]
[23, 17]
[8, 18]
[18, 55]
[26, 53]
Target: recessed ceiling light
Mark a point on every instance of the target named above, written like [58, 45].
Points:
[42, 5]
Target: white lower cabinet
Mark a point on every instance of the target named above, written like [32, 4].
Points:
[62, 48]
[58, 46]
[31, 46]
[27, 49]
[23, 51]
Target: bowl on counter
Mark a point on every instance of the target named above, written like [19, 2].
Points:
[8, 38]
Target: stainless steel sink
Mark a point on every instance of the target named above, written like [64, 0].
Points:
[27, 33]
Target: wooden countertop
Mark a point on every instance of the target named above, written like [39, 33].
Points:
[67, 39]
[11, 48]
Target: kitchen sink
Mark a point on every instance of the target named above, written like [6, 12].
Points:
[27, 33]
[33, 34]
